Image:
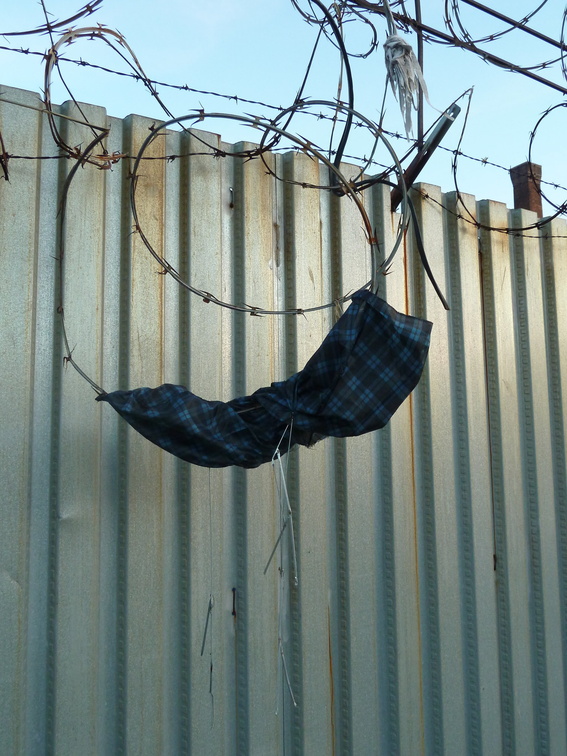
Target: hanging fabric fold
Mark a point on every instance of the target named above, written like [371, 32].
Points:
[367, 365]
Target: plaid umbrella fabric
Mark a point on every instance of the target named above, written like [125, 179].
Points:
[368, 364]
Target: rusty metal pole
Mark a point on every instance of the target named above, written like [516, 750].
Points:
[417, 164]
[420, 61]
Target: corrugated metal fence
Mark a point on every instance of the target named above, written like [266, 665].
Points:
[135, 616]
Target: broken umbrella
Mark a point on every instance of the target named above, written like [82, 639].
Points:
[367, 365]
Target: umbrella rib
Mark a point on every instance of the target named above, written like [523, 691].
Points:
[289, 516]
[209, 611]
[288, 681]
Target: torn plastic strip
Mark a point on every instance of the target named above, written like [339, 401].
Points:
[289, 515]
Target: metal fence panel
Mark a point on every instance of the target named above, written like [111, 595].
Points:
[138, 611]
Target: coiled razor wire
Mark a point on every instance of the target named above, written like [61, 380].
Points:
[112, 38]
[270, 126]
[453, 10]
[559, 209]
[347, 187]
[344, 11]
[49, 27]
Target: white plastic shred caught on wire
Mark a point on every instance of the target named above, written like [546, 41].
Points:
[285, 510]
[403, 72]
[286, 517]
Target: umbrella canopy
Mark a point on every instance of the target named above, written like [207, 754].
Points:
[365, 368]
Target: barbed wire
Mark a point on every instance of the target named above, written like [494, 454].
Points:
[465, 40]
[515, 230]
[150, 83]
[453, 10]
[519, 232]
[336, 180]
[155, 83]
[49, 27]
[108, 160]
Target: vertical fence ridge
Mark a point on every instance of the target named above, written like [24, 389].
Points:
[456, 243]
[389, 604]
[520, 255]
[239, 478]
[554, 271]
[425, 486]
[290, 593]
[488, 216]
[122, 442]
[402, 731]
[343, 691]
[41, 181]
[386, 531]
[184, 471]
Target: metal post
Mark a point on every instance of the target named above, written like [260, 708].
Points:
[420, 61]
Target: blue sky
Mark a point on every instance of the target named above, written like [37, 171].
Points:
[259, 49]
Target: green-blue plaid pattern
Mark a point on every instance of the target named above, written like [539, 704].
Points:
[368, 364]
